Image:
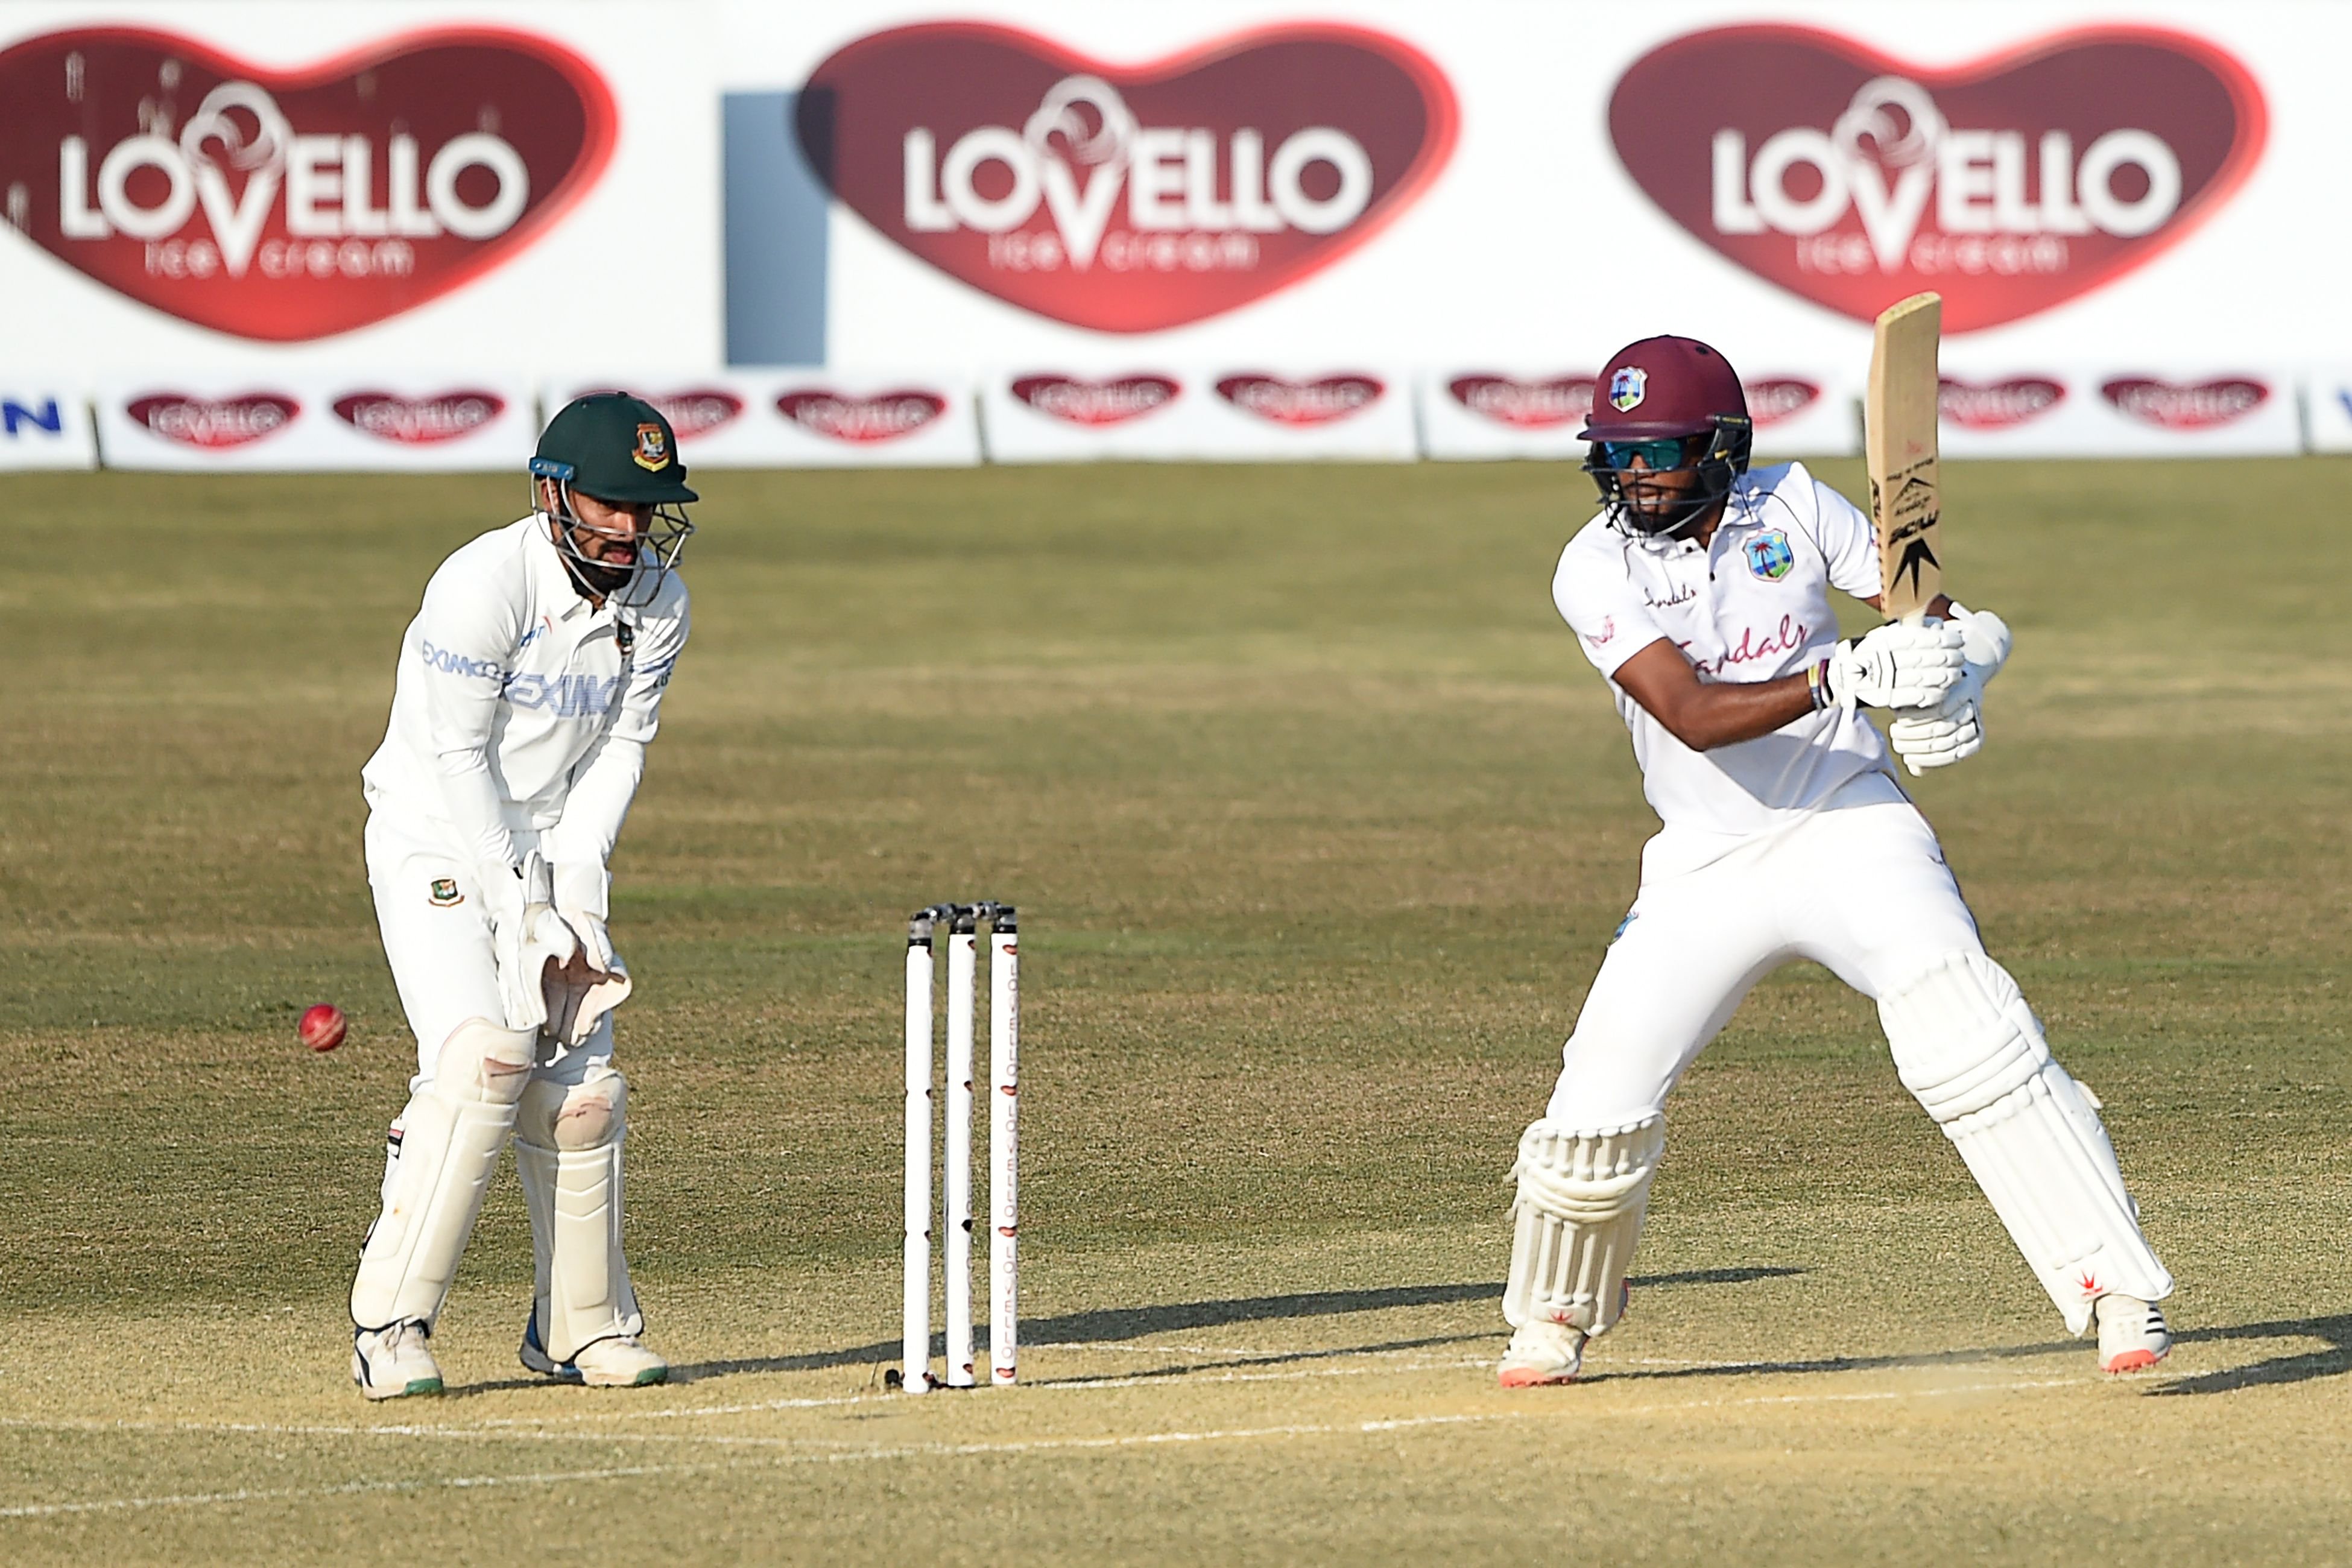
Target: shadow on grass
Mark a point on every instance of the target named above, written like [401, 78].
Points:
[2333, 1361]
[1112, 1327]
[1115, 1325]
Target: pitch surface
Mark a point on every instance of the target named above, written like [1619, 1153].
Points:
[1319, 824]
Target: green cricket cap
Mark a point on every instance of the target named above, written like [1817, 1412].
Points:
[613, 447]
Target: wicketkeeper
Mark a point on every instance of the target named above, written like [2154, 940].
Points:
[529, 686]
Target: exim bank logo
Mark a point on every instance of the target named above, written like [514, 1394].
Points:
[2009, 184]
[1126, 199]
[290, 205]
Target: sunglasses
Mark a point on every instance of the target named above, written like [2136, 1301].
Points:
[1666, 452]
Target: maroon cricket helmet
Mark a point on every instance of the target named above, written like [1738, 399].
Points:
[1663, 386]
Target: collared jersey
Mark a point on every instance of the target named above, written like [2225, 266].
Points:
[511, 685]
[1753, 605]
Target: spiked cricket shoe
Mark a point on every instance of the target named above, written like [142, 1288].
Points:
[1541, 1353]
[622, 1362]
[2132, 1333]
[393, 1363]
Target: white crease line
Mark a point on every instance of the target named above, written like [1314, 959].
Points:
[1028, 1446]
[349, 1489]
[529, 1428]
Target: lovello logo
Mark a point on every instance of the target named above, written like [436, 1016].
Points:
[2009, 184]
[697, 411]
[1996, 404]
[2172, 407]
[1525, 405]
[1128, 199]
[1096, 403]
[884, 416]
[214, 424]
[1322, 402]
[290, 205]
[1771, 399]
[418, 421]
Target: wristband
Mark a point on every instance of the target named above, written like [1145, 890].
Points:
[1817, 682]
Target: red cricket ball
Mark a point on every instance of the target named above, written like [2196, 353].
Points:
[323, 1026]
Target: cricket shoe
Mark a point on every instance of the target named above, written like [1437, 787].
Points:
[390, 1363]
[621, 1362]
[2132, 1333]
[1541, 1353]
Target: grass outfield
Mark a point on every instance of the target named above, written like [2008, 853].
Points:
[1319, 824]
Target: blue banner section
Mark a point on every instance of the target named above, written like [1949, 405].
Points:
[776, 251]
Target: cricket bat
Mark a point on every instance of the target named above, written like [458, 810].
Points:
[1898, 438]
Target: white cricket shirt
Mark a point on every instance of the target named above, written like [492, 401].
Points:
[1753, 605]
[521, 705]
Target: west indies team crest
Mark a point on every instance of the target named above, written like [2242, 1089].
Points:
[1769, 555]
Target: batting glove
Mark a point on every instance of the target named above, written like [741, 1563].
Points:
[1897, 665]
[1955, 730]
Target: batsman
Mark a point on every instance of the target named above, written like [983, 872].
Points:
[1701, 594]
[529, 687]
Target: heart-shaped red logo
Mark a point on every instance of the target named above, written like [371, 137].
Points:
[1128, 199]
[1096, 403]
[214, 424]
[1320, 401]
[2172, 407]
[2008, 184]
[1996, 404]
[1772, 398]
[1525, 405]
[290, 205]
[884, 417]
[418, 421]
[697, 411]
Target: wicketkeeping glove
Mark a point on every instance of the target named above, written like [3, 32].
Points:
[527, 935]
[596, 980]
[583, 893]
[1898, 665]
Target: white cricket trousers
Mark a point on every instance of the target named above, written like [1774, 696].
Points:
[1859, 887]
[436, 938]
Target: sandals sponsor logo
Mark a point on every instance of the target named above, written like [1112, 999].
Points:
[1996, 404]
[418, 421]
[2172, 406]
[1095, 404]
[214, 424]
[2009, 184]
[1280, 401]
[861, 421]
[1128, 199]
[290, 205]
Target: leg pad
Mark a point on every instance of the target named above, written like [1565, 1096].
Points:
[451, 1135]
[568, 1150]
[1972, 1052]
[1581, 1196]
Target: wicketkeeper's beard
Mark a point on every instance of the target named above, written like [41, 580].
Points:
[602, 578]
